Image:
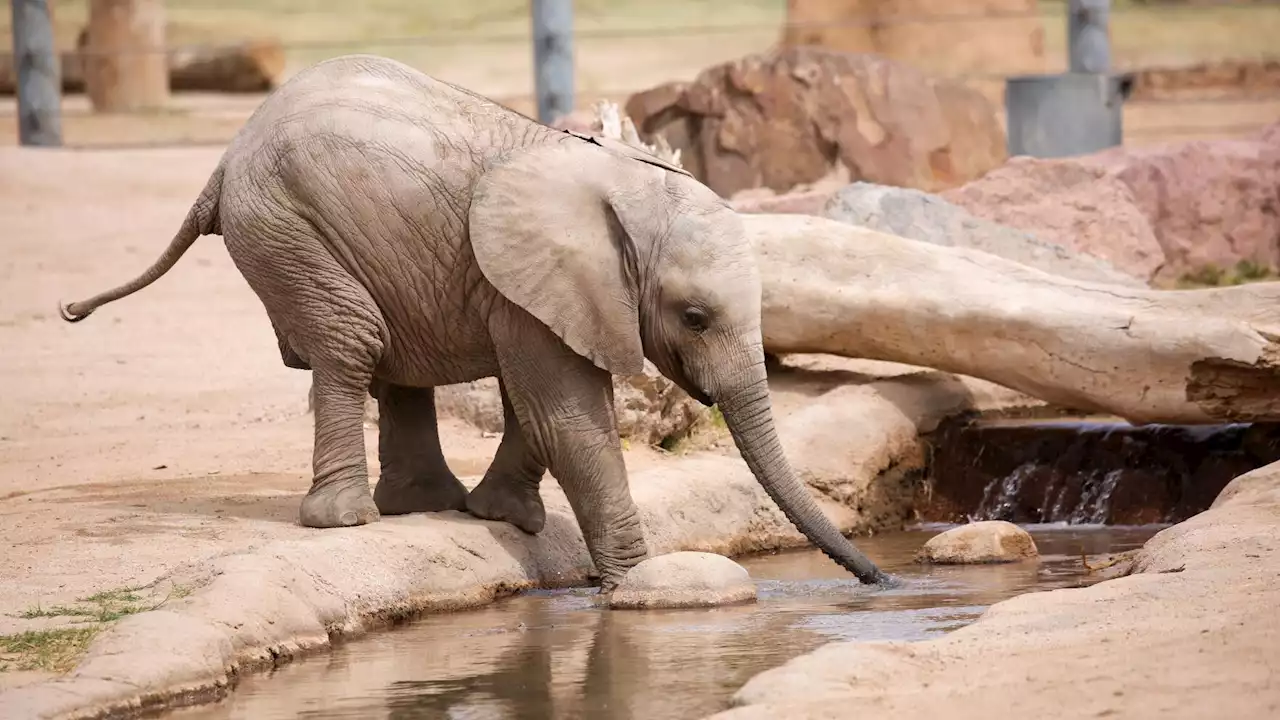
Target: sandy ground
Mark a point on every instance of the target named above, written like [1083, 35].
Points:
[1189, 632]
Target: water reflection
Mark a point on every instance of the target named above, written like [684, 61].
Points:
[556, 654]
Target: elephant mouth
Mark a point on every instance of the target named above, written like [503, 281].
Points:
[681, 378]
[700, 396]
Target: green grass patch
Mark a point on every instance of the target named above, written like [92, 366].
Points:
[103, 607]
[59, 649]
[55, 650]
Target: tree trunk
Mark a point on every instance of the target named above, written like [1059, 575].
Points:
[1167, 356]
[126, 67]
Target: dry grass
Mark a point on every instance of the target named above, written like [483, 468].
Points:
[59, 649]
[56, 650]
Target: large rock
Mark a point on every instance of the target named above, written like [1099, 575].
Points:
[800, 115]
[928, 218]
[649, 407]
[1210, 203]
[1070, 203]
[684, 580]
[1161, 212]
[988, 541]
[970, 41]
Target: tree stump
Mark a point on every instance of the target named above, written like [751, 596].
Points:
[126, 68]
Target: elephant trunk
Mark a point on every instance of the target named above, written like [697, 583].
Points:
[749, 415]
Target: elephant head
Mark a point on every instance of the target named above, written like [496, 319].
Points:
[625, 257]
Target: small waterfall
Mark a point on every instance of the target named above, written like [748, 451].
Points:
[1087, 473]
[1001, 495]
[1095, 499]
[1083, 499]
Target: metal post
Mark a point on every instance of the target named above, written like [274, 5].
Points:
[1088, 36]
[35, 60]
[553, 57]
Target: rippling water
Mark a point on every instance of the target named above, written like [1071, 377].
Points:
[555, 654]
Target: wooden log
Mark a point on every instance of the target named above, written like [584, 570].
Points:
[247, 67]
[1148, 356]
[242, 68]
[125, 64]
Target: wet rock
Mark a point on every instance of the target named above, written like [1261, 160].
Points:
[928, 218]
[798, 115]
[987, 541]
[684, 580]
[1068, 471]
[1070, 204]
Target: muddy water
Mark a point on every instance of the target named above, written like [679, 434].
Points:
[554, 654]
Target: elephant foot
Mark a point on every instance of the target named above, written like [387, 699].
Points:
[396, 495]
[338, 506]
[517, 503]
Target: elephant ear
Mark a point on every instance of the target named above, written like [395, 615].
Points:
[550, 236]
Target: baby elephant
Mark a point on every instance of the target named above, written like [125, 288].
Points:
[403, 233]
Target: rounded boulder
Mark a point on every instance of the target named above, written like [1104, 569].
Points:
[988, 541]
[684, 580]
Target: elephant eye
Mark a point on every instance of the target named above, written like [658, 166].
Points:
[695, 319]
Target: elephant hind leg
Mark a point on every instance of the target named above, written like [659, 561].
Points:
[339, 495]
[288, 355]
[415, 476]
[509, 490]
[323, 315]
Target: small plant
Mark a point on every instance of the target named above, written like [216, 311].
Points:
[1210, 275]
[102, 607]
[55, 650]
[58, 649]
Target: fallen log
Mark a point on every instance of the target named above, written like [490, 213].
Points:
[243, 68]
[247, 67]
[1148, 356]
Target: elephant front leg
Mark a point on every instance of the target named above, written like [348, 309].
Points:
[564, 404]
[415, 476]
[509, 490]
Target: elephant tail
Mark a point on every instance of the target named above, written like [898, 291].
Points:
[202, 219]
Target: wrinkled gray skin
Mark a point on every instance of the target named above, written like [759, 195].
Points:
[403, 233]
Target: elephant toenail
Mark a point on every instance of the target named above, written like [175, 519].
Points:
[348, 518]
